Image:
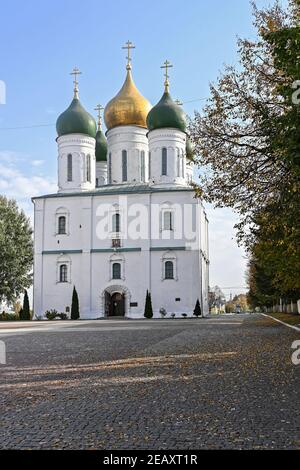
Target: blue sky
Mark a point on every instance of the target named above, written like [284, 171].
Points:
[42, 41]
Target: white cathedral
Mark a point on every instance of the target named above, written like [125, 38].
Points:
[125, 219]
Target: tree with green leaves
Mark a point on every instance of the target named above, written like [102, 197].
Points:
[148, 313]
[75, 315]
[16, 251]
[241, 139]
[248, 142]
[197, 310]
[25, 310]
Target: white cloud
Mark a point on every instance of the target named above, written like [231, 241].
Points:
[37, 162]
[22, 187]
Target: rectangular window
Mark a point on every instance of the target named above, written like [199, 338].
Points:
[178, 163]
[88, 168]
[182, 165]
[124, 165]
[109, 169]
[116, 223]
[62, 225]
[164, 162]
[69, 168]
[143, 166]
[168, 220]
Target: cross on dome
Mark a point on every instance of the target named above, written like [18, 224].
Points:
[128, 45]
[75, 72]
[99, 108]
[166, 66]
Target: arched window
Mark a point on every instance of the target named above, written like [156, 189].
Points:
[116, 222]
[109, 169]
[116, 271]
[143, 176]
[69, 167]
[178, 162]
[168, 220]
[97, 183]
[63, 273]
[182, 164]
[62, 225]
[169, 270]
[88, 168]
[164, 162]
[149, 165]
[124, 165]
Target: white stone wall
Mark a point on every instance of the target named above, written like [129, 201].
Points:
[89, 258]
[173, 140]
[79, 146]
[101, 173]
[134, 140]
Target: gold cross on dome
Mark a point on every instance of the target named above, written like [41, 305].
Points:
[75, 72]
[128, 45]
[99, 108]
[167, 65]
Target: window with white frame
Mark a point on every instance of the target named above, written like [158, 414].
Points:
[62, 225]
[178, 162]
[124, 166]
[69, 167]
[88, 168]
[169, 270]
[117, 266]
[164, 162]
[116, 222]
[63, 273]
[182, 164]
[116, 270]
[168, 220]
[149, 165]
[169, 266]
[143, 174]
[61, 221]
[109, 176]
[63, 269]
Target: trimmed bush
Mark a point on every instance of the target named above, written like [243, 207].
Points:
[75, 305]
[24, 313]
[148, 306]
[197, 310]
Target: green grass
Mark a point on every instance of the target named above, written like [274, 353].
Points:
[290, 318]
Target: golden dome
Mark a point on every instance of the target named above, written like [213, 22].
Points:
[128, 107]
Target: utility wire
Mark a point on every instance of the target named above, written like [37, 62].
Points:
[52, 125]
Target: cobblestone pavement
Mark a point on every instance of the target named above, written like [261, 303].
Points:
[152, 384]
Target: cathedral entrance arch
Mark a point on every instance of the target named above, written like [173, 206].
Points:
[116, 301]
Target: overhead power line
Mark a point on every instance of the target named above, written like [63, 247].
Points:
[33, 126]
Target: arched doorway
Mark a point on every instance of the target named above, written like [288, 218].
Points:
[123, 303]
[114, 304]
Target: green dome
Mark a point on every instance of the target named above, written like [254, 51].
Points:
[76, 120]
[101, 147]
[166, 114]
[190, 151]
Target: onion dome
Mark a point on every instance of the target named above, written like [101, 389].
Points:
[128, 107]
[101, 143]
[76, 120]
[167, 113]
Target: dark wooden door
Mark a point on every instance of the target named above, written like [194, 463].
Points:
[117, 305]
